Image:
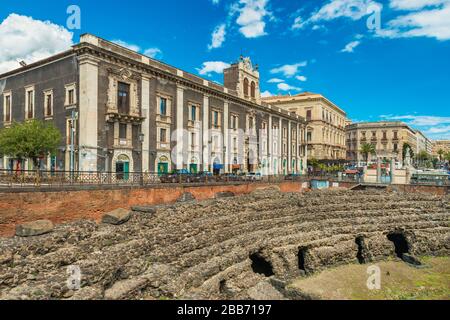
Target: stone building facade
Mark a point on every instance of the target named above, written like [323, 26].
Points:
[326, 123]
[438, 145]
[387, 137]
[125, 112]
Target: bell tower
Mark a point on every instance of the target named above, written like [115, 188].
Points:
[243, 78]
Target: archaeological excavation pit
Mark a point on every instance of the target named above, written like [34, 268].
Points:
[224, 249]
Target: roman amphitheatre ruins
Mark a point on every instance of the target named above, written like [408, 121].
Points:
[244, 247]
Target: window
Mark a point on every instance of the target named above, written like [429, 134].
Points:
[235, 144]
[162, 135]
[123, 100]
[284, 133]
[395, 135]
[163, 106]
[122, 131]
[193, 141]
[308, 115]
[7, 107]
[395, 147]
[234, 122]
[194, 113]
[309, 136]
[264, 125]
[29, 103]
[246, 87]
[48, 103]
[70, 98]
[216, 119]
[250, 123]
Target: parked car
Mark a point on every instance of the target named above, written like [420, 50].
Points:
[252, 176]
[178, 176]
[292, 176]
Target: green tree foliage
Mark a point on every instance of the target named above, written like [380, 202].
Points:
[31, 139]
[367, 149]
[441, 154]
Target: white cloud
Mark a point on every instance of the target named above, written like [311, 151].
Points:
[419, 120]
[350, 47]
[30, 40]
[299, 23]
[266, 94]
[275, 80]
[127, 45]
[433, 23]
[414, 4]
[251, 17]
[353, 9]
[286, 87]
[218, 37]
[213, 67]
[289, 70]
[301, 78]
[434, 127]
[215, 1]
[153, 52]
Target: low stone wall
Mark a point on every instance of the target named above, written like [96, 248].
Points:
[436, 190]
[66, 206]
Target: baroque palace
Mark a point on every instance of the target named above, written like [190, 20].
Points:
[120, 111]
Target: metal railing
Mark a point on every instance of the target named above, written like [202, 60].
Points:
[60, 179]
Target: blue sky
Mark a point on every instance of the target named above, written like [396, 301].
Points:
[378, 60]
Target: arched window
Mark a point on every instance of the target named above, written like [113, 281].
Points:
[253, 89]
[245, 87]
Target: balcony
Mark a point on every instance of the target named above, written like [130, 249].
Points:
[163, 118]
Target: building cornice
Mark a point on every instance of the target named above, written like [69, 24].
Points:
[141, 67]
[304, 99]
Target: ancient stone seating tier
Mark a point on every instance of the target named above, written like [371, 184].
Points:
[226, 248]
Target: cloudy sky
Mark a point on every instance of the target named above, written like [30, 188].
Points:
[378, 60]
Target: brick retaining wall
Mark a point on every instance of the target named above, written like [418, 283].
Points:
[65, 206]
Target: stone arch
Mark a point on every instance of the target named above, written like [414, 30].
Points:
[122, 156]
[246, 84]
[253, 89]
[163, 159]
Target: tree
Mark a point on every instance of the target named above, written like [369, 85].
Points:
[29, 140]
[447, 156]
[422, 157]
[366, 150]
[441, 154]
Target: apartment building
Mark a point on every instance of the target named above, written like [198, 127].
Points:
[325, 123]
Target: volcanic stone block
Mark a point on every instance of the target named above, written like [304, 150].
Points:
[226, 194]
[186, 197]
[117, 217]
[144, 209]
[35, 228]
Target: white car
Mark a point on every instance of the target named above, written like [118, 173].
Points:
[252, 176]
